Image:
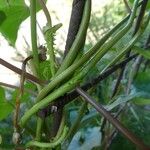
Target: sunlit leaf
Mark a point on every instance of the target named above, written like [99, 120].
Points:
[13, 14]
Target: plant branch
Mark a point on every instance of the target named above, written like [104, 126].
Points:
[127, 6]
[34, 36]
[46, 12]
[128, 134]
[19, 71]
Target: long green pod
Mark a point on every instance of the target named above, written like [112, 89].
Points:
[130, 44]
[34, 36]
[105, 48]
[71, 83]
[77, 44]
[80, 62]
[98, 55]
[49, 145]
[126, 49]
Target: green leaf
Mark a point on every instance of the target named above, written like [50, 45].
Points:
[45, 69]
[142, 82]
[143, 52]
[5, 109]
[126, 98]
[141, 101]
[5, 106]
[2, 94]
[13, 13]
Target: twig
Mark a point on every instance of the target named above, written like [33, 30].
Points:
[128, 134]
[20, 93]
[127, 6]
[19, 71]
[46, 12]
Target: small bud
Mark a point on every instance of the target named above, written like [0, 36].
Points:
[42, 53]
[16, 137]
[54, 109]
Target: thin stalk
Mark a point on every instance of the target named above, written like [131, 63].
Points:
[17, 87]
[38, 129]
[113, 120]
[28, 76]
[34, 36]
[35, 57]
[48, 145]
[124, 51]
[49, 37]
[127, 6]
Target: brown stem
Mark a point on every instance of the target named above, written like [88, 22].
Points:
[75, 21]
[19, 71]
[127, 6]
[118, 125]
[20, 93]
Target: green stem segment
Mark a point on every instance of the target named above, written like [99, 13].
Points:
[49, 145]
[49, 37]
[34, 35]
[46, 12]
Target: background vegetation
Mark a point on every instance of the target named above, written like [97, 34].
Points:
[130, 103]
